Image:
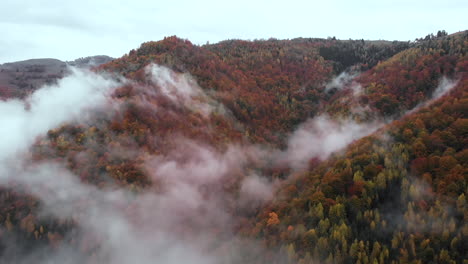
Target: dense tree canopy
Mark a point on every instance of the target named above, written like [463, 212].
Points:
[396, 196]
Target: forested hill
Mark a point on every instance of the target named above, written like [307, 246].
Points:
[270, 151]
[260, 79]
[20, 78]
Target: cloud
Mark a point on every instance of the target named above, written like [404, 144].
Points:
[126, 227]
[321, 136]
[257, 190]
[345, 81]
[47, 108]
[192, 198]
[198, 191]
[198, 163]
[445, 86]
[181, 89]
[189, 202]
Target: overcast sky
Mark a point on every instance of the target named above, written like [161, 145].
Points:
[71, 29]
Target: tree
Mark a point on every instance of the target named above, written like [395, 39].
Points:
[273, 219]
[441, 33]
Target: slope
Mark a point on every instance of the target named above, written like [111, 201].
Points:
[215, 121]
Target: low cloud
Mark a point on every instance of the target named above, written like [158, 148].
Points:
[50, 106]
[321, 136]
[190, 200]
[445, 86]
[188, 213]
[125, 227]
[180, 88]
[198, 163]
[192, 196]
[344, 80]
[256, 189]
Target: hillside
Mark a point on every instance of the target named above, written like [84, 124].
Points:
[272, 151]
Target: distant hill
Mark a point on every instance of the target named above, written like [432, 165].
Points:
[91, 61]
[20, 78]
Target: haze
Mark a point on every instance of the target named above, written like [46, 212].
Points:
[72, 29]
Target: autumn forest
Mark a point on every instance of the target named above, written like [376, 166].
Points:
[266, 151]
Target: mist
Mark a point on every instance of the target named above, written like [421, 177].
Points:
[181, 89]
[445, 86]
[70, 99]
[344, 80]
[321, 136]
[188, 213]
[186, 201]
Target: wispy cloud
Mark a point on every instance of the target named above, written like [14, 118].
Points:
[445, 86]
[196, 189]
[321, 136]
[47, 108]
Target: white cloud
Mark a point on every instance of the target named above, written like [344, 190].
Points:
[188, 209]
[321, 136]
[181, 89]
[48, 107]
[256, 189]
[445, 86]
[186, 203]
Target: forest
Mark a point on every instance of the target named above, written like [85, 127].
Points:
[267, 151]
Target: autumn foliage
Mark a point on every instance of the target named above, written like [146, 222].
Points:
[396, 196]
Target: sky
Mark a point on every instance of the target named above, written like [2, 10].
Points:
[67, 30]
